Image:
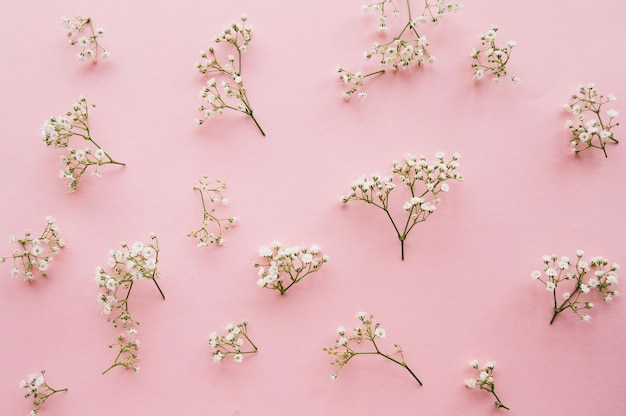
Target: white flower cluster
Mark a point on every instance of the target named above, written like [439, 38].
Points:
[558, 270]
[406, 48]
[425, 182]
[485, 381]
[231, 344]
[211, 197]
[57, 132]
[282, 267]
[128, 265]
[37, 387]
[367, 330]
[595, 132]
[82, 33]
[230, 93]
[496, 57]
[35, 253]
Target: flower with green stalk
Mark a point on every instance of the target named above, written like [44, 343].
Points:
[425, 181]
[37, 387]
[347, 347]
[211, 196]
[492, 58]
[91, 47]
[485, 381]
[233, 344]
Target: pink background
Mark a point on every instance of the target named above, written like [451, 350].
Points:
[464, 290]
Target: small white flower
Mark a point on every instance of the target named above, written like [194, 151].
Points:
[380, 332]
[471, 383]
[550, 286]
[536, 274]
[265, 251]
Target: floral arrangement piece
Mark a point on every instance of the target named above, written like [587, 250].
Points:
[211, 193]
[232, 344]
[57, 131]
[82, 33]
[595, 132]
[37, 387]
[407, 47]
[283, 267]
[425, 182]
[484, 381]
[230, 93]
[495, 57]
[128, 265]
[561, 271]
[35, 253]
[345, 347]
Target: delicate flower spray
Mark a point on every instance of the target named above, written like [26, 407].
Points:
[211, 196]
[37, 387]
[345, 347]
[82, 33]
[57, 132]
[128, 265]
[425, 182]
[283, 267]
[561, 271]
[484, 381]
[408, 47]
[233, 344]
[35, 253]
[230, 93]
[491, 58]
[596, 132]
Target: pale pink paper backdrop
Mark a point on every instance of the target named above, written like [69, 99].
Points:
[463, 291]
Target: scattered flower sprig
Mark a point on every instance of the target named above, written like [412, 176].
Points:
[232, 344]
[128, 265]
[35, 253]
[596, 132]
[231, 92]
[57, 131]
[211, 196]
[406, 48]
[367, 331]
[37, 387]
[484, 381]
[557, 271]
[424, 180]
[497, 57]
[82, 33]
[283, 267]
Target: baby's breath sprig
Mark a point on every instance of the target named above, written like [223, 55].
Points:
[35, 253]
[424, 180]
[231, 92]
[232, 344]
[88, 41]
[344, 348]
[595, 132]
[407, 47]
[497, 57]
[128, 265]
[283, 267]
[37, 387]
[211, 195]
[57, 131]
[559, 270]
[484, 381]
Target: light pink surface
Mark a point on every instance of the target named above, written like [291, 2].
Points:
[463, 291]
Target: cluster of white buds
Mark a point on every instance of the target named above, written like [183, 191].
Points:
[425, 181]
[282, 267]
[345, 347]
[35, 253]
[485, 381]
[211, 197]
[595, 132]
[128, 265]
[57, 132]
[492, 58]
[230, 93]
[558, 270]
[232, 344]
[82, 33]
[38, 388]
